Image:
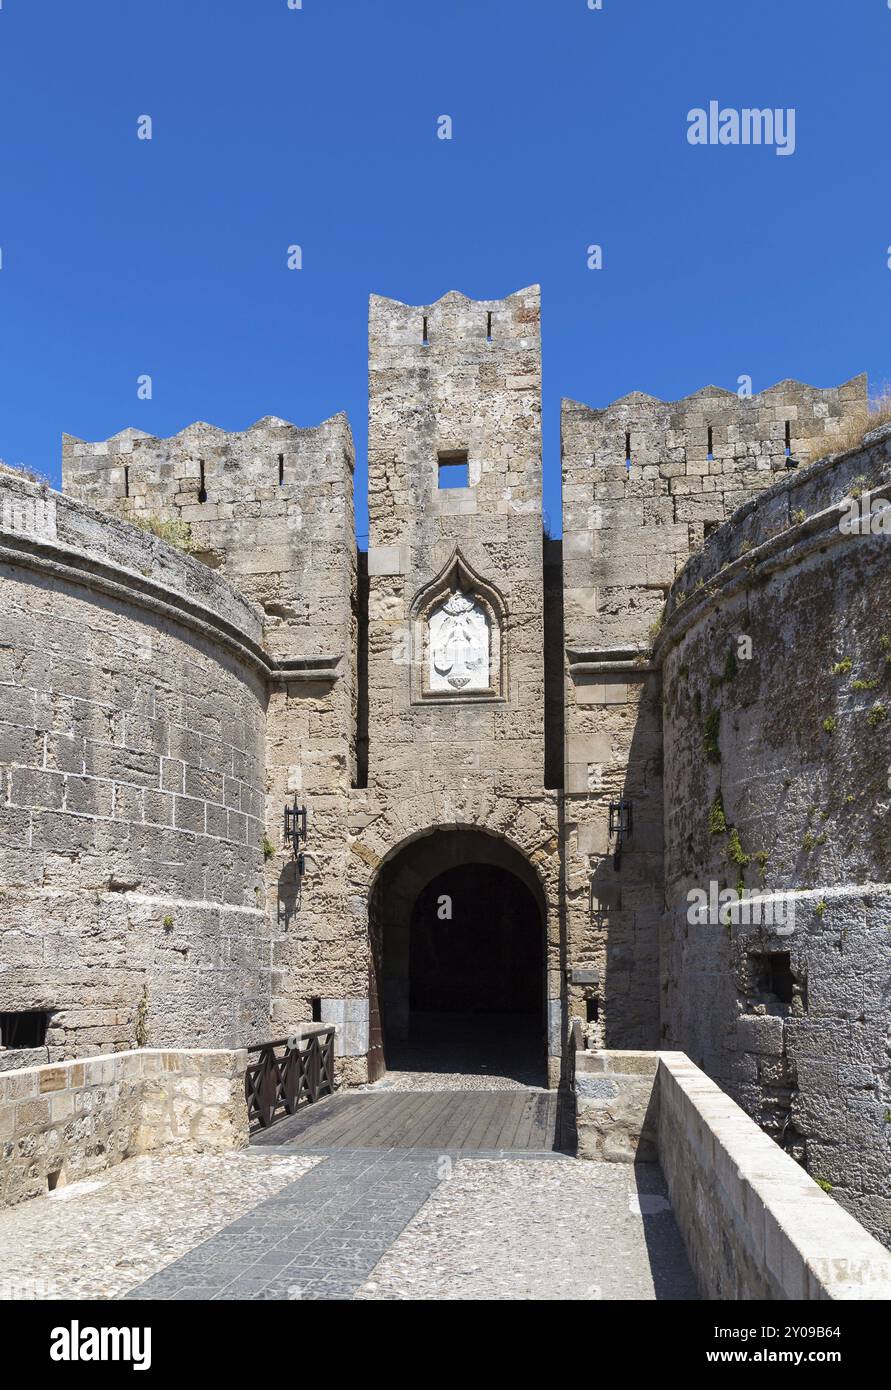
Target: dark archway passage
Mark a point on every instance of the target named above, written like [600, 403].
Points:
[475, 944]
[458, 958]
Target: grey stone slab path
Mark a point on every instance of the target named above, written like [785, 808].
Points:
[315, 1239]
[388, 1214]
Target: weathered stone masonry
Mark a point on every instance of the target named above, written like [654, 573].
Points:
[272, 509]
[644, 482]
[792, 746]
[472, 691]
[133, 717]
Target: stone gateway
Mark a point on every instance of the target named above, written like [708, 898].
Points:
[518, 756]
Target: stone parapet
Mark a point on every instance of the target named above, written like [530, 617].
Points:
[71, 1120]
[754, 1224]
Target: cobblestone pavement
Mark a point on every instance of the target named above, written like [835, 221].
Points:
[319, 1238]
[419, 1079]
[368, 1223]
[527, 1229]
[100, 1238]
[371, 1222]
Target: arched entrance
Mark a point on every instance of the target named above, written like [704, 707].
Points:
[457, 923]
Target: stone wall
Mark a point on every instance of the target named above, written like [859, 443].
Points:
[271, 507]
[69, 1121]
[776, 659]
[642, 489]
[644, 482]
[132, 703]
[616, 1105]
[754, 1224]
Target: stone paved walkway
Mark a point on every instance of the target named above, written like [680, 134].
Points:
[410, 1204]
[101, 1237]
[350, 1199]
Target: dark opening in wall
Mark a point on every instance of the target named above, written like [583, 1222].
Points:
[425, 341]
[126, 480]
[553, 662]
[710, 454]
[26, 1029]
[489, 327]
[316, 1008]
[202, 490]
[453, 469]
[361, 697]
[281, 469]
[773, 973]
[592, 1010]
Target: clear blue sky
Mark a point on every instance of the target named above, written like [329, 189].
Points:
[318, 126]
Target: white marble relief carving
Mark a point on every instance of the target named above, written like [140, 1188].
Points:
[458, 646]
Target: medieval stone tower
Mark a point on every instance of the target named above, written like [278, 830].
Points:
[456, 664]
[517, 756]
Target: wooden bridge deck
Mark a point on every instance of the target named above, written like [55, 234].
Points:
[487, 1121]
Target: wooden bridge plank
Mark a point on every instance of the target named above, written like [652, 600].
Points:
[447, 1120]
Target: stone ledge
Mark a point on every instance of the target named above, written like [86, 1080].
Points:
[781, 1236]
[67, 1120]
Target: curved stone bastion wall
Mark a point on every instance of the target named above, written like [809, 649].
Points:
[132, 713]
[776, 657]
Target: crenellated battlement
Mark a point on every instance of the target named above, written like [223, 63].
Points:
[270, 460]
[645, 481]
[716, 426]
[454, 324]
[270, 505]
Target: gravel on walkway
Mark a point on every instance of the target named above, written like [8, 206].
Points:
[539, 1230]
[100, 1238]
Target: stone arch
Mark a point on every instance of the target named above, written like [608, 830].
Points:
[395, 860]
[483, 615]
[380, 830]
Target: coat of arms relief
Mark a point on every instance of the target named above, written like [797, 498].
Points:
[458, 645]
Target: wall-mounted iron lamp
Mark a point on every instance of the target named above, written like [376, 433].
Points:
[620, 825]
[295, 831]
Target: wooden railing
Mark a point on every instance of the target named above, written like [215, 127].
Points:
[288, 1072]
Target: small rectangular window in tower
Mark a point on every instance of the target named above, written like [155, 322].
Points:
[281, 469]
[202, 490]
[782, 981]
[710, 455]
[773, 974]
[788, 438]
[489, 327]
[126, 480]
[26, 1029]
[315, 1005]
[425, 341]
[453, 470]
[627, 448]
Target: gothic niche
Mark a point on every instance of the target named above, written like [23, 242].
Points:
[457, 624]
